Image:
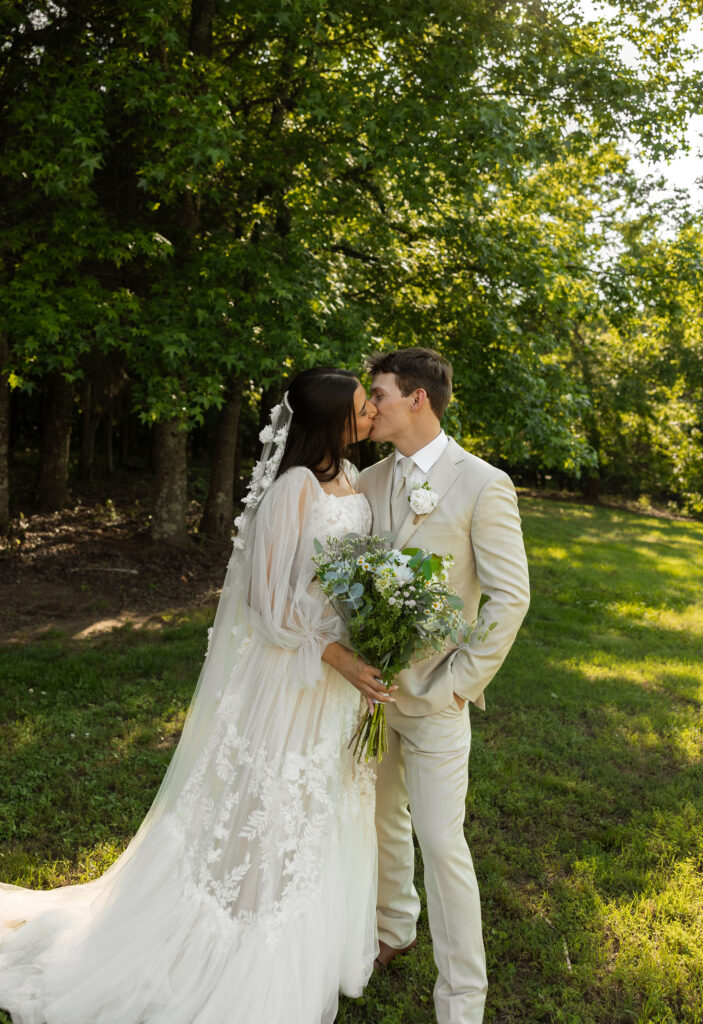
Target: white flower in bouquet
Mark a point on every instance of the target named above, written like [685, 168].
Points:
[397, 557]
[395, 570]
[400, 572]
[384, 581]
[447, 563]
[402, 575]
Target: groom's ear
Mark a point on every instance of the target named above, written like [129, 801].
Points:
[419, 398]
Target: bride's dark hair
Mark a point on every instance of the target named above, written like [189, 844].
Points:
[322, 400]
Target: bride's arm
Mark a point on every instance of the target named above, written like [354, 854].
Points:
[285, 610]
[363, 676]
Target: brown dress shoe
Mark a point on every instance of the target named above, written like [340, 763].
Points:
[387, 953]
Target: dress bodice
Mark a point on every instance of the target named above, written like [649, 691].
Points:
[346, 513]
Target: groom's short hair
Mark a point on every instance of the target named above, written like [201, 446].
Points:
[417, 368]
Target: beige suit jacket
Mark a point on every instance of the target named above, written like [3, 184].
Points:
[477, 521]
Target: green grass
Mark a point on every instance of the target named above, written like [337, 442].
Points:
[585, 814]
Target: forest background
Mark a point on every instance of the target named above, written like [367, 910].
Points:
[202, 198]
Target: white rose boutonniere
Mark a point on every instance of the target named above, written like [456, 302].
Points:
[423, 499]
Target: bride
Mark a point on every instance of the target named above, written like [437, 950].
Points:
[248, 894]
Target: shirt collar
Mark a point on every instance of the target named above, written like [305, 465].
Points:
[426, 457]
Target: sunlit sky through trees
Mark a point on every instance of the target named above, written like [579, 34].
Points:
[686, 170]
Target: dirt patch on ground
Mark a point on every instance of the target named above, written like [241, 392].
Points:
[91, 568]
[88, 569]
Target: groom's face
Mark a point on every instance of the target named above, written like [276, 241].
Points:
[393, 409]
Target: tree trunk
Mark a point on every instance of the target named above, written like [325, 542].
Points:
[217, 516]
[151, 452]
[4, 436]
[591, 482]
[169, 520]
[108, 441]
[590, 486]
[200, 35]
[124, 439]
[124, 406]
[239, 488]
[57, 409]
[89, 426]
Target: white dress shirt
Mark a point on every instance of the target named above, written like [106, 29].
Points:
[424, 460]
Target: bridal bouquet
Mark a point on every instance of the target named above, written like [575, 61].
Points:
[397, 608]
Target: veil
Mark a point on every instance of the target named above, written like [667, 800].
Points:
[230, 629]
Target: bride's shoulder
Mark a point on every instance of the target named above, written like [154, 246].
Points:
[295, 493]
[298, 480]
[297, 473]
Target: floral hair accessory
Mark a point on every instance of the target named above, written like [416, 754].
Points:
[273, 437]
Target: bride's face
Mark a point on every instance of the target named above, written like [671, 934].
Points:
[364, 414]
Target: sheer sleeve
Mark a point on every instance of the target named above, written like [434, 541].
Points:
[352, 473]
[288, 609]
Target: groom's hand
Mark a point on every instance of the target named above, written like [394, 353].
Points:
[359, 673]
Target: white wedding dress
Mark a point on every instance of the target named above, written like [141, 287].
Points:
[248, 894]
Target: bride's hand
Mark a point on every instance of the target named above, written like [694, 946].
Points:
[359, 673]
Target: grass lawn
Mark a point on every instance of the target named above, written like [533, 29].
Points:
[585, 813]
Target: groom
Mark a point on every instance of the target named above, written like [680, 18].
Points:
[423, 780]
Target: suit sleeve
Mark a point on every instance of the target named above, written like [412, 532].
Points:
[501, 567]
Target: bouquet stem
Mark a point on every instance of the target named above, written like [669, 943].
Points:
[371, 736]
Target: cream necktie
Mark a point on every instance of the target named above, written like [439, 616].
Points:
[399, 501]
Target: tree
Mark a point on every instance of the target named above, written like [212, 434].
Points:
[4, 435]
[642, 365]
[217, 514]
[215, 195]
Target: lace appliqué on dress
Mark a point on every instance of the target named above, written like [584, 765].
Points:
[275, 783]
[349, 513]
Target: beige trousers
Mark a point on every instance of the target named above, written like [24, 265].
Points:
[422, 783]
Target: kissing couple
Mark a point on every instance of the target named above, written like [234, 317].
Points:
[273, 870]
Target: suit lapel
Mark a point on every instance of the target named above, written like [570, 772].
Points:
[440, 478]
